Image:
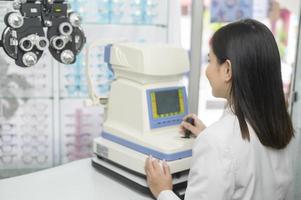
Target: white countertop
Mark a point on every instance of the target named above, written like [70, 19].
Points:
[73, 181]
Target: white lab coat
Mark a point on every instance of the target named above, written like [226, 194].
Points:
[226, 167]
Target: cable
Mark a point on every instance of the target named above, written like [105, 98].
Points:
[95, 99]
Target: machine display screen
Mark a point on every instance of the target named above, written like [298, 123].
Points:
[167, 102]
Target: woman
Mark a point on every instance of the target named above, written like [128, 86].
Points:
[245, 155]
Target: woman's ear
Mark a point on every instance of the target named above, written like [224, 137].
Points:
[227, 71]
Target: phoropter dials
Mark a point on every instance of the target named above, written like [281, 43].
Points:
[37, 25]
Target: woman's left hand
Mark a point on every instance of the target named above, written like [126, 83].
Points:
[158, 176]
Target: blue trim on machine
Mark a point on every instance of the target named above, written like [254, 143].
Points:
[146, 150]
[107, 53]
[107, 57]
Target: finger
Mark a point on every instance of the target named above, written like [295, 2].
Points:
[195, 117]
[166, 168]
[149, 165]
[156, 165]
[148, 176]
[190, 127]
[183, 125]
[147, 173]
[189, 115]
[181, 131]
[146, 164]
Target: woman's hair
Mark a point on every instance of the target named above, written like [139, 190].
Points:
[256, 93]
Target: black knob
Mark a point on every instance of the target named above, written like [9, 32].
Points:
[188, 132]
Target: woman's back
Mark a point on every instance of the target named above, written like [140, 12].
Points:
[225, 166]
[267, 172]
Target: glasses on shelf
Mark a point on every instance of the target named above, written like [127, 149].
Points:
[8, 148]
[76, 79]
[34, 138]
[7, 127]
[82, 138]
[36, 77]
[104, 88]
[73, 147]
[34, 117]
[105, 77]
[78, 126]
[143, 11]
[78, 114]
[40, 148]
[111, 16]
[77, 156]
[41, 107]
[16, 86]
[29, 88]
[33, 128]
[101, 66]
[40, 86]
[145, 3]
[41, 66]
[145, 17]
[76, 67]
[39, 159]
[99, 53]
[76, 89]
[137, 2]
[7, 138]
[7, 159]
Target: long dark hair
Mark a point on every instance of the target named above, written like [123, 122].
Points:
[256, 92]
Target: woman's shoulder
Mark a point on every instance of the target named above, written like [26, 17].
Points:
[227, 124]
[222, 132]
[218, 141]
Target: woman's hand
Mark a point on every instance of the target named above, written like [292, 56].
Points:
[158, 176]
[198, 127]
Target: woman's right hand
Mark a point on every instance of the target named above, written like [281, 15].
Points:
[198, 127]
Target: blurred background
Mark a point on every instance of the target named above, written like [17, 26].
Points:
[44, 121]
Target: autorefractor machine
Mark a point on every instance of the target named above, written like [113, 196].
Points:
[147, 102]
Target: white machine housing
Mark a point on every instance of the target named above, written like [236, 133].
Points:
[147, 102]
